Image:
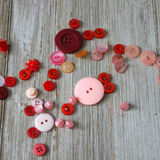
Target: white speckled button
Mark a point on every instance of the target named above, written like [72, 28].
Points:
[44, 122]
[2, 81]
[37, 101]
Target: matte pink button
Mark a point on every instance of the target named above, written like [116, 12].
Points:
[49, 105]
[59, 123]
[38, 108]
[39, 149]
[37, 101]
[57, 58]
[158, 79]
[72, 100]
[131, 51]
[96, 56]
[147, 58]
[69, 124]
[44, 122]
[102, 47]
[157, 63]
[2, 81]
[120, 66]
[31, 93]
[89, 91]
[124, 106]
[116, 58]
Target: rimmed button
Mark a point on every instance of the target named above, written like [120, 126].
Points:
[31, 93]
[99, 33]
[132, 51]
[57, 58]
[116, 58]
[109, 87]
[120, 66]
[10, 81]
[102, 47]
[24, 74]
[53, 73]
[74, 23]
[157, 63]
[88, 35]
[29, 110]
[2, 81]
[104, 77]
[33, 132]
[119, 49]
[96, 56]
[67, 109]
[48, 85]
[39, 149]
[67, 67]
[3, 93]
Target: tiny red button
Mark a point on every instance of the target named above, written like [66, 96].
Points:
[48, 85]
[67, 109]
[29, 110]
[88, 35]
[39, 149]
[74, 23]
[24, 74]
[99, 33]
[108, 87]
[104, 77]
[33, 132]
[10, 81]
[53, 73]
[119, 49]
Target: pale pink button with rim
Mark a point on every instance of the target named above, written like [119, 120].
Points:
[120, 66]
[131, 51]
[124, 106]
[31, 93]
[157, 63]
[2, 81]
[96, 56]
[102, 47]
[37, 101]
[158, 79]
[116, 58]
[38, 108]
[57, 58]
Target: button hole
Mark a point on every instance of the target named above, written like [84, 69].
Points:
[41, 122]
[90, 88]
[87, 91]
[46, 120]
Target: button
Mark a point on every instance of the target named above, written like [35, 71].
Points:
[37, 101]
[44, 122]
[10, 81]
[39, 149]
[48, 85]
[120, 66]
[49, 105]
[119, 49]
[108, 87]
[88, 35]
[2, 81]
[38, 108]
[72, 100]
[69, 124]
[124, 106]
[132, 51]
[53, 73]
[89, 91]
[29, 110]
[59, 123]
[57, 58]
[116, 58]
[104, 77]
[147, 58]
[158, 79]
[67, 67]
[74, 23]
[24, 74]
[31, 93]
[33, 132]
[68, 40]
[81, 53]
[67, 109]
[102, 47]
[4, 46]
[3, 93]
[99, 33]
[96, 56]
[32, 65]
[157, 63]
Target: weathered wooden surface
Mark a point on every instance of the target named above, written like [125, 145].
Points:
[102, 131]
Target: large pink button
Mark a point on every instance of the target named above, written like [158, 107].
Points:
[37, 101]
[132, 51]
[89, 91]
[158, 79]
[96, 56]
[2, 81]
[102, 47]
[157, 63]
[57, 58]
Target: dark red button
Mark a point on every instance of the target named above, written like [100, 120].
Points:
[3, 93]
[68, 40]
[48, 85]
[53, 73]
[104, 77]
[88, 35]
[29, 110]
[10, 81]
[24, 74]
[33, 132]
[108, 87]
[119, 49]
[74, 23]
[67, 109]
[99, 33]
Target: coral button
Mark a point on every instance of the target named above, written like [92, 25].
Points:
[124, 106]
[33, 132]
[57, 58]
[99, 33]
[108, 87]
[96, 56]
[74, 23]
[157, 63]
[24, 74]
[132, 51]
[104, 77]
[53, 73]
[3, 93]
[102, 47]
[67, 67]
[48, 85]
[120, 66]
[81, 53]
[158, 79]
[29, 110]
[10, 81]
[67, 109]
[119, 49]
[39, 149]
[116, 58]
[88, 35]
[2, 81]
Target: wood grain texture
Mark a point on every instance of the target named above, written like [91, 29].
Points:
[103, 131]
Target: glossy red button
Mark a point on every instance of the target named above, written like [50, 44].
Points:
[67, 109]
[99, 33]
[10, 81]
[29, 110]
[33, 132]
[119, 49]
[88, 35]
[68, 40]
[53, 73]
[74, 23]
[3, 93]
[108, 87]
[24, 74]
[39, 149]
[104, 77]
[48, 85]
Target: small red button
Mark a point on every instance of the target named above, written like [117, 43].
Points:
[99, 33]
[108, 87]
[29, 110]
[24, 74]
[3, 93]
[33, 132]
[39, 149]
[67, 109]
[74, 23]
[53, 73]
[10, 81]
[48, 85]
[119, 49]
[88, 35]
[104, 77]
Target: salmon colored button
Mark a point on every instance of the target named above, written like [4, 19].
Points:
[67, 67]
[3, 93]
[102, 47]
[57, 58]
[24, 74]
[132, 51]
[158, 79]
[33, 132]
[53, 73]
[88, 35]
[120, 66]
[99, 33]
[39, 149]
[124, 106]
[157, 63]
[108, 87]
[147, 58]
[2, 81]
[81, 53]
[10, 81]
[116, 58]
[29, 110]
[104, 77]
[119, 49]
[48, 85]
[31, 93]
[74, 23]
[96, 56]
[67, 109]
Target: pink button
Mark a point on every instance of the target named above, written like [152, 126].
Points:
[96, 56]
[69, 124]
[37, 101]
[59, 123]
[48, 105]
[116, 58]
[39, 149]
[131, 51]
[147, 58]
[72, 100]
[31, 93]
[2, 81]
[102, 47]
[124, 106]
[89, 91]
[158, 79]
[44, 122]
[157, 63]
[120, 66]
[38, 108]
[57, 58]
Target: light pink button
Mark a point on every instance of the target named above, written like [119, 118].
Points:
[157, 63]
[120, 66]
[31, 93]
[96, 56]
[124, 106]
[59, 123]
[89, 91]
[158, 79]
[38, 108]
[102, 47]
[147, 58]
[57, 58]
[2, 81]
[69, 124]
[37, 101]
[72, 100]
[44, 122]
[116, 58]
[49, 105]
[131, 51]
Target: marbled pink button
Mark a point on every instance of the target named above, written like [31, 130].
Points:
[38, 108]
[57, 58]
[49, 105]
[72, 100]
[31, 93]
[158, 79]
[131, 51]
[120, 66]
[157, 63]
[124, 106]
[2, 81]
[69, 124]
[59, 123]
[116, 58]
[96, 56]
[102, 47]
[37, 101]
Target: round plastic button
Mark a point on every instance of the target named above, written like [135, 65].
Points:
[59, 123]
[74, 23]
[108, 87]
[132, 51]
[2, 81]
[119, 49]
[39, 149]
[96, 56]
[10, 81]
[88, 35]
[48, 85]
[104, 77]
[68, 40]
[3, 93]
[81, 53]
[31, 93]
[38, 108]
[49, 105]
[24, 74]
[67, 67]
[99, 33]
[158, 79]
[157, 63]
[120, 66]
[44, 122]
[89, 91]
[116, 58]
[53, 73]
[102, 47]
[67, 109]
[124, 106]
[33, 132]
[29, 110]
[37, 101]
[57, 58]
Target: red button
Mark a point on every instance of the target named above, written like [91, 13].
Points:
[68, 40]
[104, 77]
[48, 85]
[119, 49]
[74, 23]
[29, 110]
[39, 149]
[88, 35]
[53, 73]
[10, 81]
[3, 93]
[67, 109]
[99, 33]
[24, 74]
[33, 132]
[108, 87]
